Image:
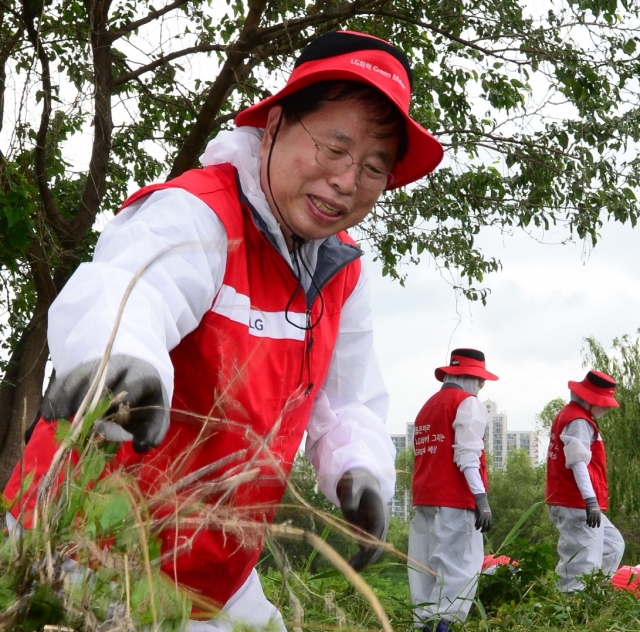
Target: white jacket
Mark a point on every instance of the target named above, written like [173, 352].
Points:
[346, 428]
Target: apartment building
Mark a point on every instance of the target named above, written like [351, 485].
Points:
[499, 440]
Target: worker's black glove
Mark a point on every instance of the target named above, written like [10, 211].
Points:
[594, 515]
[361, 504]
[142, 408]
[483, 513]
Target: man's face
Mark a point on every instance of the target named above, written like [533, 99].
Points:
[306, 198]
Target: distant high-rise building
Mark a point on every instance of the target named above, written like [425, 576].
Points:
[400, 442]
[400, 504]
[410, 428]
[498, 440]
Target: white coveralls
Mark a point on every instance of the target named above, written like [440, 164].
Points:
[346, 428]
[581, 548]
[444, 539]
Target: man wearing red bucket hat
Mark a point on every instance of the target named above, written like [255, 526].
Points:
[449, 495]
[251, 323]
[576, 492]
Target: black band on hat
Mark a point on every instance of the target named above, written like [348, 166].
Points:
[474, 354]
[599, 381]
[340, 43]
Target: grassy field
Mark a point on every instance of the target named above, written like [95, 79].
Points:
[505, 603]
[89, 512]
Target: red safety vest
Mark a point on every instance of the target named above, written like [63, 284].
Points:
[561, 484]
[437, 480]
[245, 382]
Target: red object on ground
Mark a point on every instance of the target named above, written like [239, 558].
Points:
[491, 561]
[627, 578]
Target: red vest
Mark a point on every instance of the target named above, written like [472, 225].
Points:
[561, 483]
[245, 382]
[437, 480]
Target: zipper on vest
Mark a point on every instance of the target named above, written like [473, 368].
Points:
[309, 327]
[309, 340]
[308, 345]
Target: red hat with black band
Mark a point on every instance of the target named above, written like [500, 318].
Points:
[596, 389]
[465, 362]
[352, 56]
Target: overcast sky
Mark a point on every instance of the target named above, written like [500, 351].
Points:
[544, 302]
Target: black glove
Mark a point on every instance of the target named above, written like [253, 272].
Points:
[594, 515]
[143, 406]
[361, 504]
[483, 513]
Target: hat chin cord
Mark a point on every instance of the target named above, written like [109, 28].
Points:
[296, 239]
[298, 242]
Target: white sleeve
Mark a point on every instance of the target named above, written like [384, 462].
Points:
[474, 480]
[583, 480]
[185, 244]
[346, 428]
[577, 436]
[469, 426]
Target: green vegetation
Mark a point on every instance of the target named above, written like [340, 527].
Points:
[38, 584]
[60, 571]
[523, 597]
[311, 593]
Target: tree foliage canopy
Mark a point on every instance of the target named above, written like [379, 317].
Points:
[544, 419]
[536, 105]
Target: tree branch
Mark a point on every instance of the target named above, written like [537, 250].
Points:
[264, 37]
[230, 73]
[507, 140]
[236, 68]
[103, 125]
[329, 19]
[50, 207]
[114, 35]
[4, 56]
[497, 53]
[8, 9]
[161, 61]
[41, 273]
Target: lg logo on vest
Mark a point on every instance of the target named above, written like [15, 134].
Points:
[257, 324]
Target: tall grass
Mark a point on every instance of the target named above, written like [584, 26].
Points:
[91, 560]
[106, 526]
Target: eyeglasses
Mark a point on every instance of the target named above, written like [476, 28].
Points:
[336, 160]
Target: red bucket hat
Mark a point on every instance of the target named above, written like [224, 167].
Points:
[596, 389]
[353, 56]
[465, 362]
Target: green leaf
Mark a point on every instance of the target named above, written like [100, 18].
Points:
[62, 430]
[117, 510]
[513, 534]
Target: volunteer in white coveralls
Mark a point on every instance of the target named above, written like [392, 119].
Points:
[449, 495]
[577, 493]
[254, 321]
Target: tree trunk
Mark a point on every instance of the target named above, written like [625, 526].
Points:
[21, 391]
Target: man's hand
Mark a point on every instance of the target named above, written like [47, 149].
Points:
[594, 515]
[142, 408]
[361, 504]
[484, 518]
